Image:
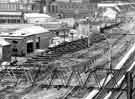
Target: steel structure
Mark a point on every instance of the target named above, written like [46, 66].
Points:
[59, 77]
[79, 79]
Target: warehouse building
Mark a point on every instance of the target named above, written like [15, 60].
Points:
[26, 40]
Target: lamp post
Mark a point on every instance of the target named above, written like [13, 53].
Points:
[22, 13]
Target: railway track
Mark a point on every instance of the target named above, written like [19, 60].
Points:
[58, 51]
[124, 63]
[55, 52]
[113, 94]
[43, 58]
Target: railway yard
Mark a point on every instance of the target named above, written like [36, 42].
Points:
[100, 65]
[61, 78]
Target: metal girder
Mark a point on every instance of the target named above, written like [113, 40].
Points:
[67, 76]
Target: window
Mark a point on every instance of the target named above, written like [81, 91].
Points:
[15, 42]
[30, 47]
[14, 51]
[18, 21]
[51, 41]
[12, 21]
[53, 8]
[38, 43]
[2, 21]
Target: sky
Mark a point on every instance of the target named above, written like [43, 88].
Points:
[13, 0]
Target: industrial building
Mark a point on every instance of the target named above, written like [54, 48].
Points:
[26, 40]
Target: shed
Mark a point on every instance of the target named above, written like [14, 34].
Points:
[28, 39]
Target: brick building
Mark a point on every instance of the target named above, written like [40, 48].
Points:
[72, 8]
[75, 8]
[11, 11]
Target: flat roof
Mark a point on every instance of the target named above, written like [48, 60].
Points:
[36, 15]
[11, 13]
[27, 31]
[3, 42]
[13, 27]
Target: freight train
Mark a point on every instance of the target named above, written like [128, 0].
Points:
[62, 43]
[69, 42]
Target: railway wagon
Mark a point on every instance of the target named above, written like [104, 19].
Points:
[73, 46]
[68, 41]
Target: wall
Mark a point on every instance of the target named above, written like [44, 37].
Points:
[7, 53]
[45, 40]
[84, 29]
[1, 52]
[22, 45]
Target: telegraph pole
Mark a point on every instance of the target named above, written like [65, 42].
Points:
[129, 85]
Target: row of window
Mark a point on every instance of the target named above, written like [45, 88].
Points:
[73, 6]
[18, 7]
[55, 8]
[9, 21]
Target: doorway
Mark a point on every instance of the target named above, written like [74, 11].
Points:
[30, 47]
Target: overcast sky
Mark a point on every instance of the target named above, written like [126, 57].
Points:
[13, 0]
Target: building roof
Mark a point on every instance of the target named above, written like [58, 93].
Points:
[36, 15]
[11, 13]
[13, 27]
[3, 42]
[27, 31]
